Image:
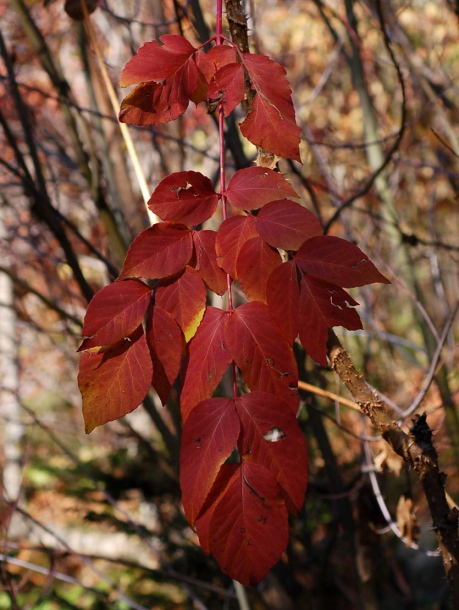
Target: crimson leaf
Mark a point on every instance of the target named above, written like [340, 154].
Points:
[272, 438]
[287, 224]
[184, 297]
[253, 187]
[159, 251]
[186, 197]
[231, 236]
[209, 436]
[271, 123]
[114, 313]
[337, 261]
[262, 354]
[115, 381]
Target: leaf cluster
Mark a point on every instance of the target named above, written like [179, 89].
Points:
[243, 458]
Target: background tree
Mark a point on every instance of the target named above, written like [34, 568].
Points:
[375, 95]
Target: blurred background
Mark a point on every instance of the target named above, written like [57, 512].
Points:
[95, 522]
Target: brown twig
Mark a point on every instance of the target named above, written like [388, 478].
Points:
[417, 450]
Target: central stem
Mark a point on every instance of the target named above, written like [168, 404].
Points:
[221, 133]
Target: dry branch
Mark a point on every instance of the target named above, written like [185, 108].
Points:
[417, 450]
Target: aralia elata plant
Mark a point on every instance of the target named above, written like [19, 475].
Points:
[153, 320]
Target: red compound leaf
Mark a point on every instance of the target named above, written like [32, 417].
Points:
[158, 252]
[222, 55]
[323, 305]
[206, 261]
[247, 528]
[231, 236]
[155, 62]
[286, 224]
[114, 313]
[271, 123]
[283, 298]
[169, 77]
[166, 342]
[184, 297]
[209, 437]
[272, 438]
[227, 85]
[337, 261]
[255, 262]
[209, 357]
[262, 354]
[115, 381]
[253, 187]
[186, 197]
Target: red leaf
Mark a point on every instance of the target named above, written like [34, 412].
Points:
[155, 62]
[323, 305]
[203, 523]
[115, 312]
[114, 382]
[165, 340]
[262, 354]
[337, 261]
[231, 236]
[228, 83]
[253, 187]
[184, 297]
[159, 251]
[248, 528]
[175, 78]
[209, 436]
[287, 224]
[206, 261]
[255, 262]
[186, 197]
[206, 69]
[283, 296]
[155, 103]
[222, 55]
[271, 124]
[272, 438]
[209, 359]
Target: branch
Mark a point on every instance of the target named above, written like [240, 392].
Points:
[417, 450]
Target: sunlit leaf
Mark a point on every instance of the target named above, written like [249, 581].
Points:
[184, 297]
[115, 381]
[209, 358]
[157, 62]
[160, 251]
[169, 78]
[186, 197]
[271, 123]
[287, 224]
[253, 187]
[115, 312]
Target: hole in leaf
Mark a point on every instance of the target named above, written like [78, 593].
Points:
[274, 435]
